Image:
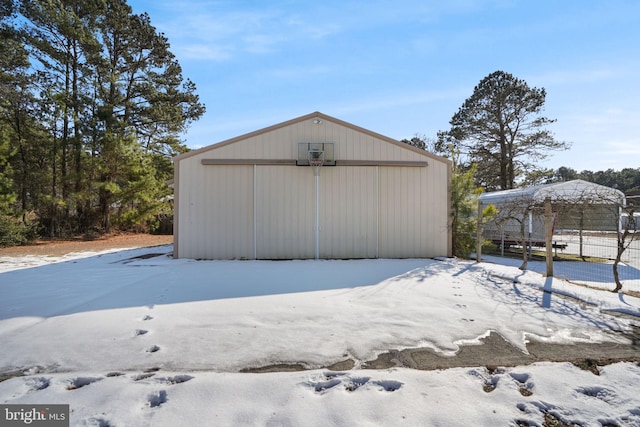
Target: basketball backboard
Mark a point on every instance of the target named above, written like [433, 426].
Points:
[307, 150]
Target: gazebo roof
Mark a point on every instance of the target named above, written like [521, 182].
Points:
[568, 191]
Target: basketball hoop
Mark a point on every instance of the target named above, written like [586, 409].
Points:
[316, 160]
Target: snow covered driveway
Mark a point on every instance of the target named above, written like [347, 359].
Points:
[67, 325]
[136, 309]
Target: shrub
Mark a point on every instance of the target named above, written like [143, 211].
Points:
[14, 232]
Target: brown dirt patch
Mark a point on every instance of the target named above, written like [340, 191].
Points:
[59, 247]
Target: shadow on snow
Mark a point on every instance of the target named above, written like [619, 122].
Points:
[148, 277]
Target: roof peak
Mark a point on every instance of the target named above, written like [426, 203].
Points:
[299, 119]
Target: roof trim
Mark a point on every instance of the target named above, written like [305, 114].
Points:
[310, 116]
[405, 163]
[247, 162]
[292, 162]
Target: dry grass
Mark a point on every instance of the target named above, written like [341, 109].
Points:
[59, 247]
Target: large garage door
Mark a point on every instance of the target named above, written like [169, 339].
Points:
[404, 212]
[285, 212]
[363, 212]
[218, 222]
[348, 212]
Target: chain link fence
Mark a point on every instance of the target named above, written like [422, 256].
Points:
[586, 235]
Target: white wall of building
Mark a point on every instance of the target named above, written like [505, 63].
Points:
[241, 208]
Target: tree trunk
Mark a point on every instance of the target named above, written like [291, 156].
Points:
[64, 143]
[54, 187]
[622, 238]
[83, 225]
[504, 185]
[24, 169]
[105, 201]
[616, 275]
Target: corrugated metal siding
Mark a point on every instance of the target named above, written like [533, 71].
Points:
[348, 211]
[413, 216]
[365, 211]
[438, 209]
[216, 217]
[282, 144]
[285, 207]
[398, 234]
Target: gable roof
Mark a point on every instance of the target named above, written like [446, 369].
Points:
[576, 190]
[314, 115]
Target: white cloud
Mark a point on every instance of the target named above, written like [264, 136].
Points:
[392, 100]
[576, 76]
[625, 148]
[322, 31]
[602, 120]
[265, 29]
[261, 43]
[602, 138]
[236, 29]
[205, 52]
[294, 72]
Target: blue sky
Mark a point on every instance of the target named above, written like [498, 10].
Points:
[404, 67]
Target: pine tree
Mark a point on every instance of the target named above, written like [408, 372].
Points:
[95, 114]
[501, 126]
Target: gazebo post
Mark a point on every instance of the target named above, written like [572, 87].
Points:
[548, 225]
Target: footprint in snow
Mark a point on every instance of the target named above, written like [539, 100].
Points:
[146, 317]
[31, 385]
[99, 422]
[332, 380]
[139, 332]
[80, 382]
[601, 393]
[488, 377]
[322, 386]
[144, 376]
[152, 349]
[355, 383]
[525, 387]
[36, 384]
[178, 379]
[157, 399]
[389, 385]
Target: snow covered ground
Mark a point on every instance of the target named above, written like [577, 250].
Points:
[593, 274]
[91, 331]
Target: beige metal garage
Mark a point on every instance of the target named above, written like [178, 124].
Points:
[256, 197]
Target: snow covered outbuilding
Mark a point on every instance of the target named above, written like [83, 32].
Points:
[256, 196]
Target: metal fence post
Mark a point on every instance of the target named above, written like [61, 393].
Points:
[548, 226]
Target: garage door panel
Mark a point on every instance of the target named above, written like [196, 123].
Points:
[403, 212]
[348, 212]
[218, 223]
[285, 212]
